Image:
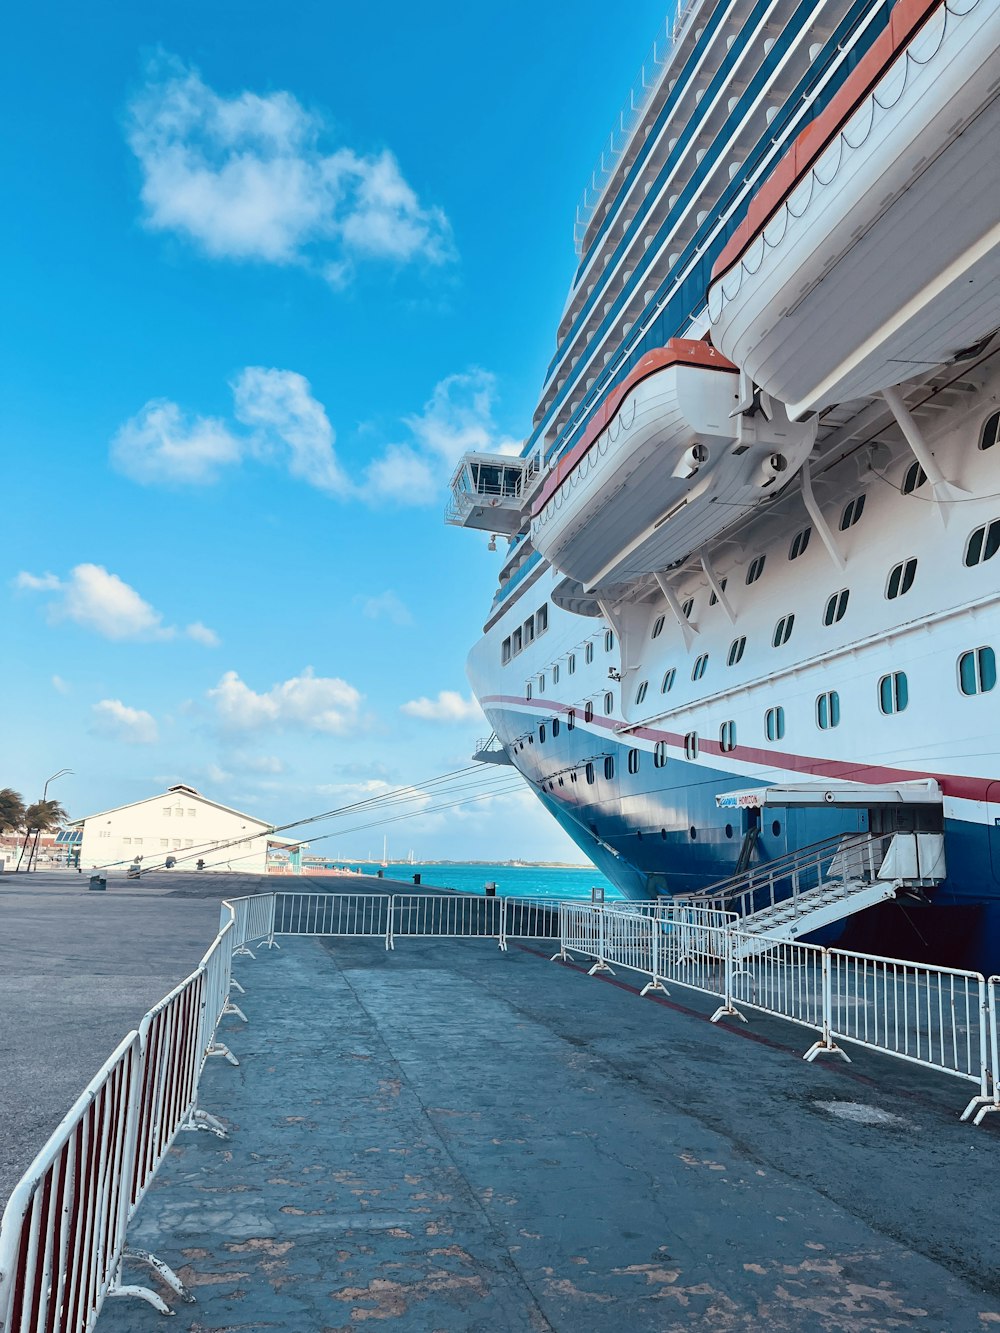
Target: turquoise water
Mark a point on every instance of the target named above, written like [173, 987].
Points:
[511, 881]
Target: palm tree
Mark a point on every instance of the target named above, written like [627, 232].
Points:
[11, 810]
[41, 817]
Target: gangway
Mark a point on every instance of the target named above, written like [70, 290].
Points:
[825, 882]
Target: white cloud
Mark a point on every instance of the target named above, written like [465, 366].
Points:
[202, 634]
[61, 686]
[308, 702]
[98, 600]
[279, 405]
[449, 706]
[386, 606]
[161, 444]
[118, 722]
[246, 178]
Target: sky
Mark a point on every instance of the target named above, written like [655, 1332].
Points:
[270, 270]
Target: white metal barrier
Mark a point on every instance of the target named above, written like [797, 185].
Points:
[359, 914]
[989, 1093]
[465, 916]
[787, 981]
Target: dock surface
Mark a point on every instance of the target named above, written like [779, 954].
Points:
[446, 1137]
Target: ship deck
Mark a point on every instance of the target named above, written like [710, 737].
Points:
[448, 1137]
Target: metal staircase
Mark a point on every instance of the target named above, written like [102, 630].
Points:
[825, 882]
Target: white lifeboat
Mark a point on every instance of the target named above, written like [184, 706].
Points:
[667, 461]
[873, 251]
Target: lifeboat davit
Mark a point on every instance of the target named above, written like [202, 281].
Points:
[873, 251]
[669, 459]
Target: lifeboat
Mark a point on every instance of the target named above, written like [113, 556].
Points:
[873, 251]
[669, 459]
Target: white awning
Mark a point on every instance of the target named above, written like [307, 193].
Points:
[855, 795]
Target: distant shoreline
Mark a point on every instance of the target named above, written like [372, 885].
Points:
[501, 865]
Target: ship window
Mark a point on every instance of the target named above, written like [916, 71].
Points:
[541, 733]
[588, 653]
[852, 512]
[893, 692]
[700, 663]
[991, 432]
[691, 745]
[915, 477]
[828, 710]
[774, 723]
[977, 671]
[782, 631]
[799, 543]
[736, 650]
[836, 606]
[901, 578]
[983, 544]
[727, 737]
[687, 608]
[588, 711]
[571, 719]
[555, 674]
[714, 597]
[515, 639]
[541, 620]
[609, 641]
[555, 727]
[609, 703]
[658, 624]
[668, 680]
[541, 683]
[633, 761]
[527, 690]
[571, 663]
[589, 771]
[659, 754]
[529, 630]
[640, 693]
[609, 766]
[505, 651]
[755, 569]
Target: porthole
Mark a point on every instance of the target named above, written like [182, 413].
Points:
[828, 710]
[727, 737]
[515, 640]
[555, 727]
[755, 569]
[736, 650]
[640, 693]
[541, 734]
[983, 544]
[589, 772]
[691, 745]
[571, 719]
[571, 663]
[692, 833]
[901, 578]
[991, 432]
[505, 651]
[609, 641]
[687, 608]
[541, 683]
[799, 543]
[715, 596]
[776, 828]
[633, 761]
[658, 624]
[698, 670]
[729, 830]
[555, 674]
[588, 711]
[977, 671]
[541, 620]
[527, 690]
[782, 631]
[609, 704]
[774, 723]
[609, 766]
[852, 512]
[893, 692]
[529, 630]
[663, 834]
[914, 478]
[659, 754]
[836, 606]
[588, 653]
[668, 680]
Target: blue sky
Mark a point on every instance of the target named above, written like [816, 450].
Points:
[269, 271]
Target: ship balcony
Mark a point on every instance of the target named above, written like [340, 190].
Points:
[488, 491]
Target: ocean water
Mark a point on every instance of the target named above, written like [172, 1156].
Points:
[511, 881]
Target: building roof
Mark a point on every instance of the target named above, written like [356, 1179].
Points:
[176, 790]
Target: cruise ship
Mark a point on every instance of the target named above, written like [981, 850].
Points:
[750, 595]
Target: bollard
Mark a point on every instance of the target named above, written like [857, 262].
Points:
[381, 874]
[416, 877]
[490, 888]
[98, 882]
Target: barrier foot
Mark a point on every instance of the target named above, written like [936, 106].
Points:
[198, 1119]
[828, 1047]
[163, 1271]
[273, 944]
[241, 951]
[563, 956]
[236, 984]
[654, 985]
[600, 967]
[728, 1011]
[230, 1008]
[981, 1106]
[217, 1048]
[502, 944]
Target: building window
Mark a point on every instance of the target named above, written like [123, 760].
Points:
[836, 606]
[774, 723]
[633, 761]
[178, 812]
[977, 671]
[529, 630]
[126, 842]
[541, 733]
[609, 641]
[799, 543]
[736, 650]
[609, 766]
[640, 693]
[505, 651]
[893, 692]
[541, 620]
[555, 674]
[687, 608]
[588, 711]
[756, 568]
[555, 727]
[901, 578]
[106, 833]
[515, 639]
[527, 690]
[828, 710]
[727, 737]
[700, 663]
[782, 631]
[852, 512]
[188, 842]
[175, 843]
[983, 544]
[668, 681]
[691, 745]
[914, 478]
[571, 719]
[991, 432]
[571, 663]
[658, 624]
[609, 703]
[164, 842]
[715, 596]
[659, 754]
[588, 653]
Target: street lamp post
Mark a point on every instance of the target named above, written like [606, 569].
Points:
[38, 832]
